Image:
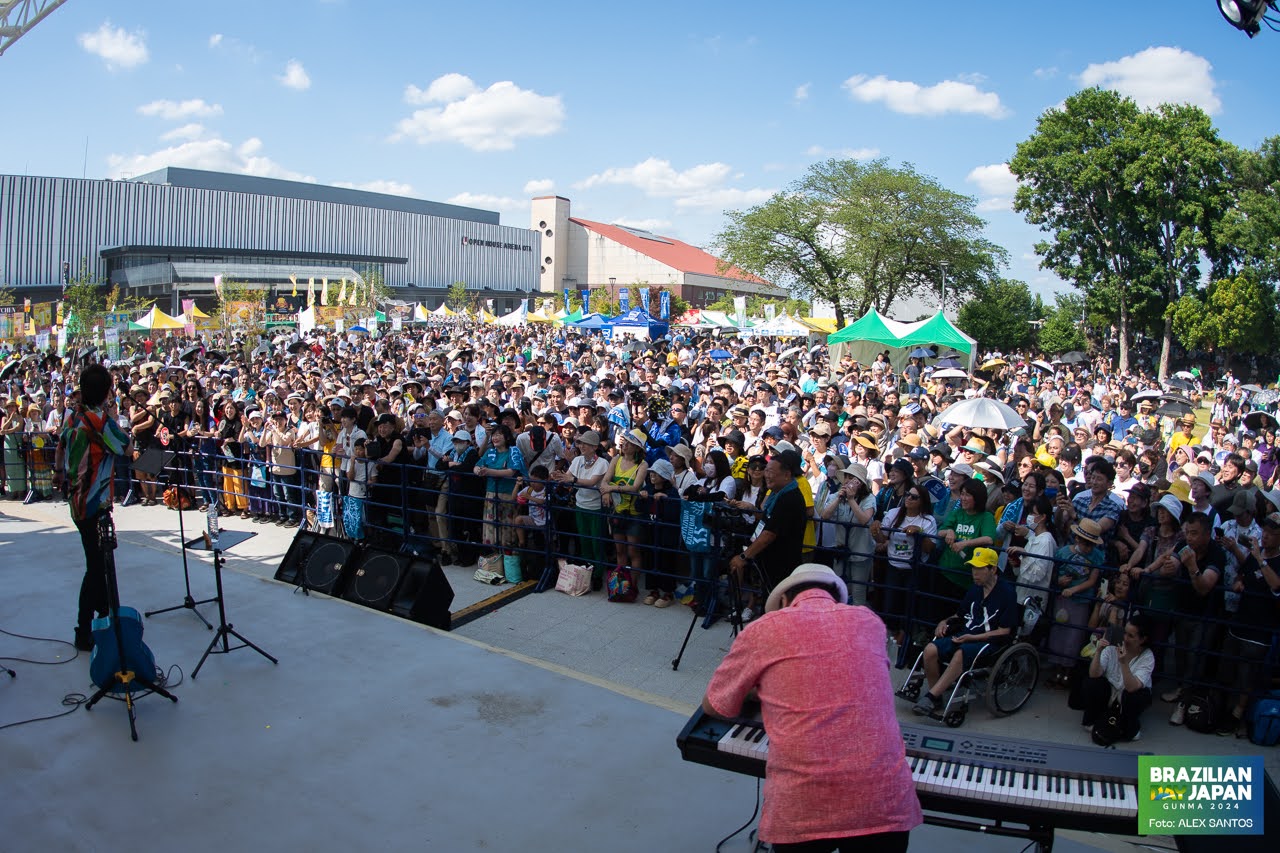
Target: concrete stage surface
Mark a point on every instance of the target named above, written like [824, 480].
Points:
[374, 733]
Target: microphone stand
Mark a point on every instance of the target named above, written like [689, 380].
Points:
[188, 601]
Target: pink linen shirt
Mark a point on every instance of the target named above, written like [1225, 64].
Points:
[837, 765]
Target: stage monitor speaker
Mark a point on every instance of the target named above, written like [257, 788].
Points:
[317, 562]
[425, 594]
[375, 576]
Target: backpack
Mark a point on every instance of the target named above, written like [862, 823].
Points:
[1264, 720]
[621, 585]
[1201, 711]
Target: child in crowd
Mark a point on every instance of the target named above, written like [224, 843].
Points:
[532, 497]
[361, 473]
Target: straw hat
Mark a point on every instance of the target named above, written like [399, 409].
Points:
[1088, 530]
[807, 573]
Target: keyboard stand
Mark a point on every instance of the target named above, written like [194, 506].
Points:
[1040, 836]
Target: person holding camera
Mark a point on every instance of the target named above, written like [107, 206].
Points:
[779, 537]
[1120, 675]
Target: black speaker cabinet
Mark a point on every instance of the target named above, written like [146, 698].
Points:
[317, 562]
[425, 594]
[375, 577]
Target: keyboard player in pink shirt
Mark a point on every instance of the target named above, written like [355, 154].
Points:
[837, 775]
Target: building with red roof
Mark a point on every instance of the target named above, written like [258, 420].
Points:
[579, 254]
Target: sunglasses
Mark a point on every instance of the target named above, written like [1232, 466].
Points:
[912, 496]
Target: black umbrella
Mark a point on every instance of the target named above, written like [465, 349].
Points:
[298, 346]
[214, 356]
[1260, 420]
[1149, 394]
[748, 351]
[1175, 382]
[9, 369]
[189, 354]
[1073, 357]
[1174, 409]
[1174, 398]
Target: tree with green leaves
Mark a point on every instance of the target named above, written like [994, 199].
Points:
[1236, 314]
[1061, 331]
[86, 300]
[999, 315]
[458, 298]
[1128, 198]
[863, 235]
[1248, 233]
[241, 306]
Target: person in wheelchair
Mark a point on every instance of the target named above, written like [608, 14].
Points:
[988, 619]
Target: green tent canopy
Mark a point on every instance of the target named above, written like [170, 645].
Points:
[874, 333]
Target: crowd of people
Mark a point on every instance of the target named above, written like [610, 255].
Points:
[1113, 504]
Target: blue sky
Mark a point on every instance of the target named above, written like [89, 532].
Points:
[657, 115]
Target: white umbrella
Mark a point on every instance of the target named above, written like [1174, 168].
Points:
[983, 412]
[1186, 374]
[950, 373]
[1043, 365]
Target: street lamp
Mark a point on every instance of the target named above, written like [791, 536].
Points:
[942, 305]
[613, 295]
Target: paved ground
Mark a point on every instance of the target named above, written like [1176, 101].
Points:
[548, 724]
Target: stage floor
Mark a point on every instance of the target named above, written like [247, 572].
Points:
[547, 725]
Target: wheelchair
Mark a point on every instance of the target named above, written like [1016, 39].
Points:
[1004, 675]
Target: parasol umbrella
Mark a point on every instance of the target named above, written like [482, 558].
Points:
[1266, 398]
[1173, 409]
[815, 348]
[791, 352]
[720, 354]
[358, 330]
[298, 346]
[1181, 384]
[985, 413]
[147, 366]
[1186, 374]
[437, 352]
[950, 373]
[1260, 420]
[1149, 394]
[1073, 357]
[1251, 388]
[750, 350]
[947, 361]
[920, 352]
[1043, 365]
[993, 364]
[215, 356]
[189, 354]
[9, 369]
[1174, 398]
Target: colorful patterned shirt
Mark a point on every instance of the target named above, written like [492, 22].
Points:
[92, 441]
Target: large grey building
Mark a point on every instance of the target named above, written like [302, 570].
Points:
[166, 234]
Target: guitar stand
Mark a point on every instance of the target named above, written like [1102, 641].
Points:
[188, 602]
[126, 680]
[226, 539]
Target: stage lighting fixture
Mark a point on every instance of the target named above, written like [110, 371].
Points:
[1247, 15]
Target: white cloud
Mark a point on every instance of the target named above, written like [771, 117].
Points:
[723, 199]
[212, 153]
[974, 77]
[996, 185]
[379, 186]
[802, 92]
[172, 110]
[1046, 73]
[116, 47]
[215, 39]
[444, 89]
[488, 120]
[847, 153]
[700, 187]
[540, 186]
[193, 130]
[642, 224]
[1158, 75]
[903, 96]
[295, 76]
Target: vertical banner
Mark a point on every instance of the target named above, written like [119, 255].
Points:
[566, 301]
[324, 291]
[664, 302]
[112, 338]
[338, 325]
[396, 323]
[58, 320]
[624, 300]
[586, 302]
[187, 306]
[217, 285]
[306, 321]
[524, 306]
[770, 311]
[644, 298]
[62, 339]
[294, 280]
[342, 293]
[740, 310]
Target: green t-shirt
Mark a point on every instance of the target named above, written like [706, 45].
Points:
[967, 526]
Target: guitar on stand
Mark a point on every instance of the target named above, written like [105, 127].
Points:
[121, 665]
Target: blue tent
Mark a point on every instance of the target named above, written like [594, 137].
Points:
[639, 318]
[592, 321]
